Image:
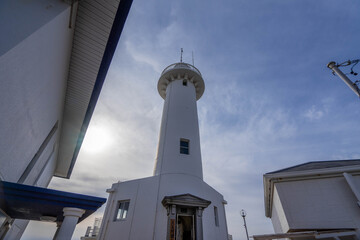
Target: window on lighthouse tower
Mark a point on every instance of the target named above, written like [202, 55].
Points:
[184, 146]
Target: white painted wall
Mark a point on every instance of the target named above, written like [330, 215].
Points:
[326, 203]
[278, 217]
[23, 18]
[147, 213]
[33, 81]
[142, 193]
[179, 120]
[34, 61]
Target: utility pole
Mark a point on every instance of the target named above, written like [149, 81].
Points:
[243, 214]
[334, 67]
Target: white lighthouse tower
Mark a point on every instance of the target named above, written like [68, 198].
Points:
[175, 203]
[181, 85]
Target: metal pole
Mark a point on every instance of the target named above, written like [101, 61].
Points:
[243, 214]
[353, 86]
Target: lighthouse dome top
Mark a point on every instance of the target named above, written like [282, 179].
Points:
[181, 71]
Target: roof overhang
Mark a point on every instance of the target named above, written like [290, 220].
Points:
[97, 31]
[33, 203]
[270, 179]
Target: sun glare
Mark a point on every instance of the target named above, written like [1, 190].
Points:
[97, 139]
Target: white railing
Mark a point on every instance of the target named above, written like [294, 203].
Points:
[181, 65]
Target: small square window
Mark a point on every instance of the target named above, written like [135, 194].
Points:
[122, 210]
[184, 83]
[184, 146]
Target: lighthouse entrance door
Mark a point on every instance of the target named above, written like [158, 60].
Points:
[184, 214]
[185, 227]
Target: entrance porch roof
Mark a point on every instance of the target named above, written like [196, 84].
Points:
[185, 200]
[33, 203]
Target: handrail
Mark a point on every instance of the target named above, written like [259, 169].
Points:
[179, 65]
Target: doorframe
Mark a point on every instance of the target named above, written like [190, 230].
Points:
[193, 234]
[171, 203]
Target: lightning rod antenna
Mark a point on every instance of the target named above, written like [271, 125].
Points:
[181, 53]
[192, 54]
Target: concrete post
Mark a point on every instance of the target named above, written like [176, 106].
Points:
[67, 228]
[171, 222]
[58, 225]
[199, 225]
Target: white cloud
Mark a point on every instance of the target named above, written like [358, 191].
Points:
[314, 113]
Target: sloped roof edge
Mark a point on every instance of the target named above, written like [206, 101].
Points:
[319, 165]
[114, 36]
[333, 168]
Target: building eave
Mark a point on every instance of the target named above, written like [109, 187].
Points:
[270, 179]
[32, 203]
[93, 49]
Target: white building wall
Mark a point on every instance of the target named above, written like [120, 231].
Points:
[34, 61]
[147, 213]
[23, 18]
[48, 170]
[33, 81]
[41, 168]
[142, 193]
[278, 217]
[145, 210]
[179, 120]
[326, 203]
[210, 230]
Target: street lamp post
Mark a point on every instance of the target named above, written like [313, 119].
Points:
[243, 214]
[333, 66]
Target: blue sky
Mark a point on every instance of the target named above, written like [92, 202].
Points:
[269, 103]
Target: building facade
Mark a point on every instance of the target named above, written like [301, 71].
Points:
[175, 203]
[315, 200]
[54, 57]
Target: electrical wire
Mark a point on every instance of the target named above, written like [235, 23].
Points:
[348, 63]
